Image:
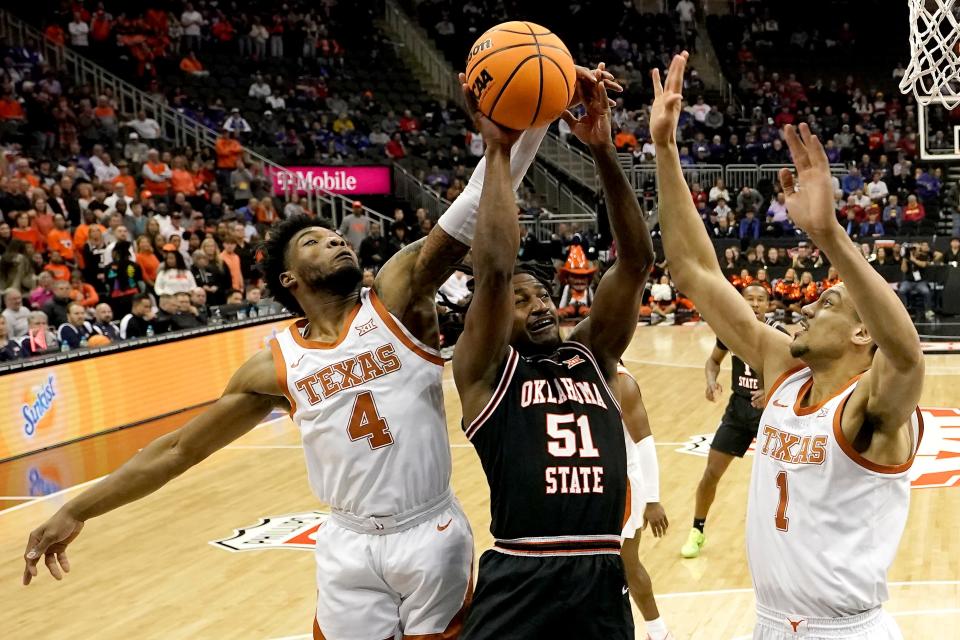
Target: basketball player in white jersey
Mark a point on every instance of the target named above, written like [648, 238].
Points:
[361, 376]
[643, 470]
[829, 494]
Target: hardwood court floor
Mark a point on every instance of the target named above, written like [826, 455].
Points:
[147, 570]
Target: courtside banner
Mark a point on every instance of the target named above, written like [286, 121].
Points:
[57, 404]
[356, 181]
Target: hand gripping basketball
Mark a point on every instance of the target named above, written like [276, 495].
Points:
[490, 131]
[593, 128]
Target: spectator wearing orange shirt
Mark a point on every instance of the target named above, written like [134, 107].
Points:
[148, 261]
[156, 174]
[43, 216]
[191, 66]
[229, 152]
[625, 140]
[266, 213]
[25, 172]
[127, 180]
[56, 267]
[12, 116]
[181, 180]
[809, 288]
[832, 279]
[230, 258]
[82, 292]
[59, 238]
[26, 232]
[55, 34]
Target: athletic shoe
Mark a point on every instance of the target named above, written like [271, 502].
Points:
[695, 541]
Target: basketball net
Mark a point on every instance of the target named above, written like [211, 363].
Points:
[934, 71]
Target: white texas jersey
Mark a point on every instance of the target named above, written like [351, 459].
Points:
[370, 411]
[823, 523]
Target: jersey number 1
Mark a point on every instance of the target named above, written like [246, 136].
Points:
[365, 422]
[781, 519]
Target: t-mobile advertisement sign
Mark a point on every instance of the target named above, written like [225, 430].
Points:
[346, 180]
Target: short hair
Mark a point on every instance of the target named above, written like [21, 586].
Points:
[74, 304]
[34, 316]
[275, 257]
[539, 271]
[140, 297]
[759, 286]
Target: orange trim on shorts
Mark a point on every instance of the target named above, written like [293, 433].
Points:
[452, 632]
[388, 320]
[313, 344]
[786, 374]
[805, 389]
[855, 455]
[280, 365]
[628, 508]
[317, 634]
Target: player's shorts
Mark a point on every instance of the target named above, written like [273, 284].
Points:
[738, 427]
[416, 581]
[564, 596]
[875, 624]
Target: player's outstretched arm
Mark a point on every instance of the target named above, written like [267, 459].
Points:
[249, 396]
[408, 283]
[616, 306]
[895, 381]
[693, 261]
[486, 332]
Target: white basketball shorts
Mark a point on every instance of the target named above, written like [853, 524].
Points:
[415, 582]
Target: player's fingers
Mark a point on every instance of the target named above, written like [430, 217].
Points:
[64, 562]
[51, 561]
[797, 149]
[462, 77]
[677, 67]
[569, 118]
[612, 85]
[788, 181]
[657, 86]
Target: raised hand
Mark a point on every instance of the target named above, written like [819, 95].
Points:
[492, 133]
[665, 113]
[586, 78]
[593, 128]
[49, 541]
[810, 192]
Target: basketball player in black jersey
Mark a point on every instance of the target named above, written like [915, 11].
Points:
[543, 419]
[739, 424]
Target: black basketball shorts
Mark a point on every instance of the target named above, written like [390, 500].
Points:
[550, 597]
[738, 427]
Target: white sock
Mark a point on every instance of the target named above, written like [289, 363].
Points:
[657, 629]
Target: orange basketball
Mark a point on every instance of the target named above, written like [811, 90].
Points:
[98, 341]
[521, 74]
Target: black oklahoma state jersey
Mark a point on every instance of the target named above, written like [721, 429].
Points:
[552, 448]
[744, 380]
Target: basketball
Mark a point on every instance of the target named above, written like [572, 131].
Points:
[521, 74]
[98, 341]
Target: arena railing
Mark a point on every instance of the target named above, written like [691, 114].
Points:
[573, 162]
[179, 129]
[407, 187]
[59, 357]
[557, 197]
[424, 54]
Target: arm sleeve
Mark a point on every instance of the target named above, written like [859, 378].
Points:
[460, 218]
[649, 469]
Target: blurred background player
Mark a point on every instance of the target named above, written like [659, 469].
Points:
[643, 471]
[740, 421]
[830, 486]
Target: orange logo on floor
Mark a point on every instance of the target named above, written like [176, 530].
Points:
[291, 531]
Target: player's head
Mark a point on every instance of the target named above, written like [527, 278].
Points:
[304, 255]
[757, 297]
[832, 331]
[536, 326]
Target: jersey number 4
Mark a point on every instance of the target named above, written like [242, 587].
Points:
[365, 422]
[563, 439]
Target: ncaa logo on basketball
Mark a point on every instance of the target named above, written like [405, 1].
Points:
[291, 531]
[480, 84]
[936, 465]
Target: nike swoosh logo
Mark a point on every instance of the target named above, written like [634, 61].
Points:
[777, 403]
[626, 590]
[444, 527]
[294, 365]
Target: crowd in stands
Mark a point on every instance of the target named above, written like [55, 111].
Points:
[299, 83]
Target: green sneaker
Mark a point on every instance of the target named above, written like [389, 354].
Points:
[691, 548]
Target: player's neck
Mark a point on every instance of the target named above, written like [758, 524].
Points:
[829, 377]
[326, 312]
